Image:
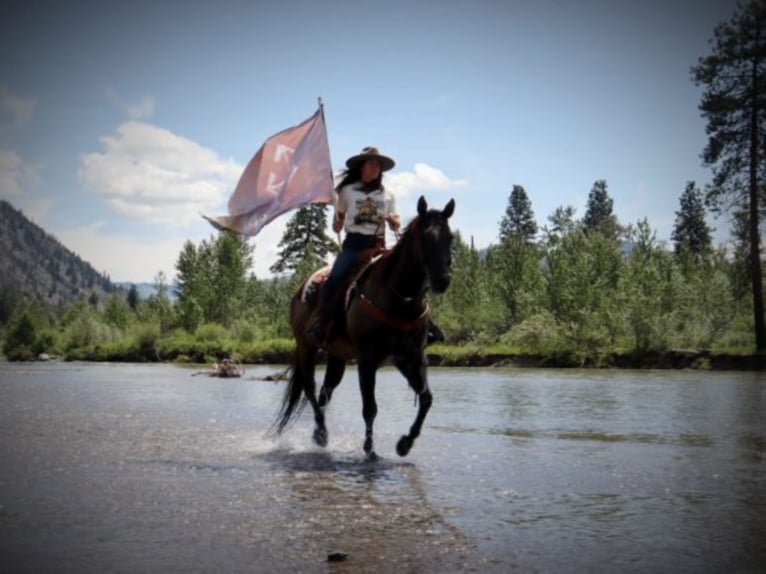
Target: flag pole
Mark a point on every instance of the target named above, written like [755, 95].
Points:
[321, 113]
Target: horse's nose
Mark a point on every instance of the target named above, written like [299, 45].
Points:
[440, 283]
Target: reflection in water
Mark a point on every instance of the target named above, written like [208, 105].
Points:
[682, 439]
[377, 513]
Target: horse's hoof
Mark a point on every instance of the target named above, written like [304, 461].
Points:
[324, 399]
[403, 446]
[372, 456]
[320, 437]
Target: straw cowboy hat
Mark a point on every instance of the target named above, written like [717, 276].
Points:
[370, 152]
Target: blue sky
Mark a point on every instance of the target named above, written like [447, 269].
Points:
[121, 121]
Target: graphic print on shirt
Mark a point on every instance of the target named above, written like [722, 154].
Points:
[367, 211]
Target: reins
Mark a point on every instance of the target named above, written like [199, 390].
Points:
[374, 311]
[389, 320]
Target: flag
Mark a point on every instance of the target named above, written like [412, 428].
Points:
[291, 169]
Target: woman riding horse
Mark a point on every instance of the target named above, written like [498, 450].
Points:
[387, 316]
[362, 208]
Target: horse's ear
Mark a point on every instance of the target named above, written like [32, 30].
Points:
[449, 209]
[422, 206]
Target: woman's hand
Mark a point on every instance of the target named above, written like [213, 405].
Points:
[394, 223]
[337, 222]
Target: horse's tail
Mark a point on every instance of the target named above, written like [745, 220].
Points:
[294, 399]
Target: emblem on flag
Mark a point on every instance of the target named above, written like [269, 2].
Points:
[291, 169]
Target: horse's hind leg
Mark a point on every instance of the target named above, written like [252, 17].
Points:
[332, 377]
[307, 364]
[414, 369]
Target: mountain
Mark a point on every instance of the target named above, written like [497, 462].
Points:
[35, 263]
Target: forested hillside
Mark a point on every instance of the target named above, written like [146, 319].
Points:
[34, 263]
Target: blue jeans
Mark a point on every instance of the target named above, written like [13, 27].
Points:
[344, 263]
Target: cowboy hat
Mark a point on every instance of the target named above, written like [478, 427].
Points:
[370, 152]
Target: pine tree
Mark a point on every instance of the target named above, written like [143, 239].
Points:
[598, 214]
[232, 258]
[562, 222]
[740, 267]
[691, 232]
[519, 219]
[133, 297]
[190, 281]
[305, 237]
[734, 105]
[212, 279]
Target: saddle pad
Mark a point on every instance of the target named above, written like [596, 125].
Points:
[313, 283]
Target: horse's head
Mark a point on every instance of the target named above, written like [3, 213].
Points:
[435, 239]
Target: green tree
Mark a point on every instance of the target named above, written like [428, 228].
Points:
[116, 311]
[519, 219]
[467, 311]
[159, 304]
[21, 342]
[232, 256]
[516, 278]
[305, 237]
[691, 232]
[598, 213]
[562, 222]
[734, 105]
[740, 266]
[133, 298]
[213, 280]
[582, 273]
[648, 286]
[705, 307]
[9, 301]
[193, 289]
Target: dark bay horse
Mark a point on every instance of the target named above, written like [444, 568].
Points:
[386, 316]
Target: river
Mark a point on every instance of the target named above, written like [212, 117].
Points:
[155, 468]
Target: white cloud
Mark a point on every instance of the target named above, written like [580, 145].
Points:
[149, 173]
[423, 178]
[19, 109]
[17, 178]
[140, 259]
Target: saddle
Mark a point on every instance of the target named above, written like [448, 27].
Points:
[314, 283]
[335, 324]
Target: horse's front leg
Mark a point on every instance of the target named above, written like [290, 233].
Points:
[369, 406]
[332, 377]
[413, 367]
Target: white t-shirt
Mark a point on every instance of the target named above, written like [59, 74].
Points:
[365, 212]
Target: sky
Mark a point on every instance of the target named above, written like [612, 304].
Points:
[122, 121]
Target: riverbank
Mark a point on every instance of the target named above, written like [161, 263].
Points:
[281, 351]
[672, 359]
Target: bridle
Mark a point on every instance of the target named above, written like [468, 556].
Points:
[377, 313]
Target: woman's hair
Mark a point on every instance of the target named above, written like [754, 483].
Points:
[354, 174]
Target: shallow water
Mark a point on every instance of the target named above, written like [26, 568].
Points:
[148, 468]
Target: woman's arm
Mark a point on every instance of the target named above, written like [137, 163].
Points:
[337, 222]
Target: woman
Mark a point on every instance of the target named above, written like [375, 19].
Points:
[363, 207]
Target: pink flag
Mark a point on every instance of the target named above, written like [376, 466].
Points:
[291, 169]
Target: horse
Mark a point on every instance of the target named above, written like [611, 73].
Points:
[387, 316]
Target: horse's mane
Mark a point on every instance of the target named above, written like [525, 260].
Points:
[409, 229]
